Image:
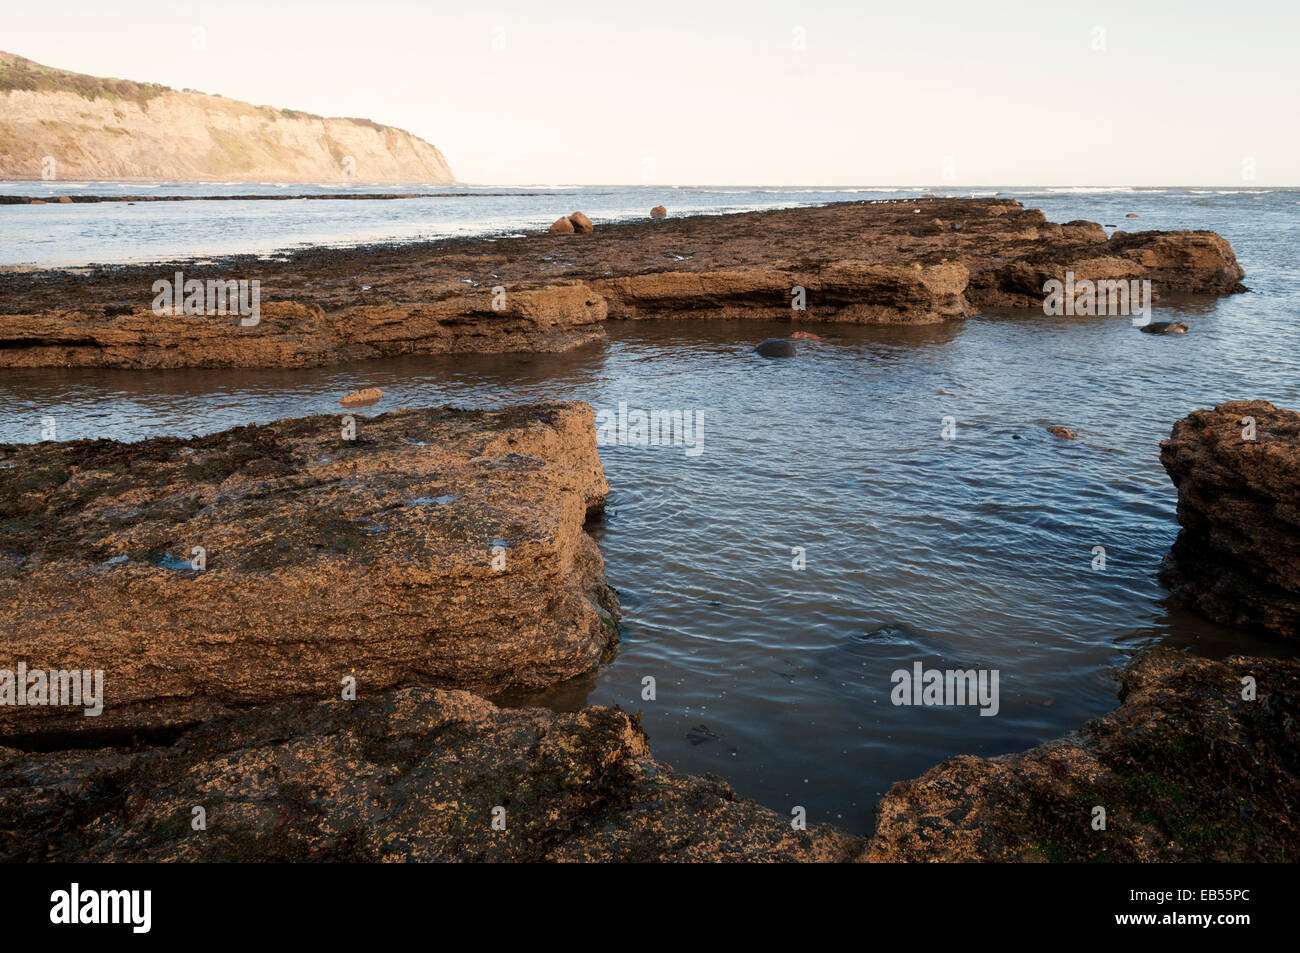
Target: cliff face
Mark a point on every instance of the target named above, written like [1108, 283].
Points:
[117, 129]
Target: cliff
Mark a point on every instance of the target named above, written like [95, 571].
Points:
[118, 129]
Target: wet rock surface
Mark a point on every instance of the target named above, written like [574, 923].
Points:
[438, 547]
[857, 262]
[410, 775]
[1185, 769]
[1237, 558]
[1164, 327]
[777, 347]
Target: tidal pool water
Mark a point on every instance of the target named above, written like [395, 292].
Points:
[973, 552]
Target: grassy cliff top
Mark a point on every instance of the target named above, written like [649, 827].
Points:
[17, 72]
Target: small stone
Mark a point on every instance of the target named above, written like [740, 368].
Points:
[776, 347]
[1164, 327]
[367, 396]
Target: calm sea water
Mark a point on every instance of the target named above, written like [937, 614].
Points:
[973, 553]
[113, 232]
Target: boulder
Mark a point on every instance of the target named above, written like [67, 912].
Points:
[366, 396]
[658, 212]
[1065, 433]
[806, 336]
[581, 223]
[562, 226]
[1132, 215]
[777, 347]
[1237, 558]
[437, 547]
[1164, 327]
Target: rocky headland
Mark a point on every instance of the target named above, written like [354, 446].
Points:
[904, 261]
[91, 127]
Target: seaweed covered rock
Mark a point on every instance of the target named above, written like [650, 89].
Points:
[410, 775]
[1196, 764]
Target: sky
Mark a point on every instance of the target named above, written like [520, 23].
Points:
[742, 92]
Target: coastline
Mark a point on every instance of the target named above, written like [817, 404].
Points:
[1176, 766]
[593, 771]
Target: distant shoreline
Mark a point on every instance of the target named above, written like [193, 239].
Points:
[81, 199]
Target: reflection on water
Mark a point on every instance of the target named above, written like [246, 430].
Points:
[973, 553]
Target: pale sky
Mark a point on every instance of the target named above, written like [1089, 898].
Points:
[743, 92]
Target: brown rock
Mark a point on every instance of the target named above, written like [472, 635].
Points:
[1065, 433]
[326, 557]
[806, 336]
[581, 223]
[409, 775]
[848, 291]
[777, 347]
[658, 212]
[554, 317]
[996, 254]
[1132, 215]
[1185, 769]
[1163, 327]
[562, 226]
[65, 200]
[366, 396]
[36, 202]
[1237, 557]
